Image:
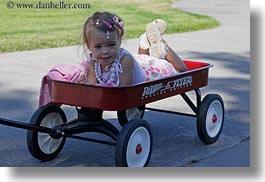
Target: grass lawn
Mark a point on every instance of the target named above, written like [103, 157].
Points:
[28, 28]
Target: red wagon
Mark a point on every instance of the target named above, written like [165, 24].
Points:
[134, 142]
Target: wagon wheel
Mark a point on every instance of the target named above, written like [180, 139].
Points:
[41, 145]
[134, 144]
[133, 113]
[210, 118]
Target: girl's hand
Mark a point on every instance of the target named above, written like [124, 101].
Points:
[82, 79]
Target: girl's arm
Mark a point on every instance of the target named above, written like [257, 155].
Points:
[90, 75]
[126, 76]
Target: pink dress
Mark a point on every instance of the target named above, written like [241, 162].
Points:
[155, 68]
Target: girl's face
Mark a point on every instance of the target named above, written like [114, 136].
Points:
[104, 48]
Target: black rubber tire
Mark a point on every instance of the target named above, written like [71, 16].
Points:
[34, 137]
[134, 144]
[123, 118]
[210, 118]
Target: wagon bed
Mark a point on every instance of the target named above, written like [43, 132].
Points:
[118, 98]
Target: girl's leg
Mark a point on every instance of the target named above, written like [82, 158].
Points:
[160, 48]
[169, 54]
[175, 60]
[143, 51]
[153, 39]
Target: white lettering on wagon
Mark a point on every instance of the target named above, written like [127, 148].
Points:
[152, 89]
[160, 88]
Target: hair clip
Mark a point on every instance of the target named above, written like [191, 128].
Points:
[97, 22]
[107, 24]
[116, 20]
[107, 35]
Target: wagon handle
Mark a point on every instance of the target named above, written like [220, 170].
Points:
[22, 125]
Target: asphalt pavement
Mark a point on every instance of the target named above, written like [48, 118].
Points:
[176, 143]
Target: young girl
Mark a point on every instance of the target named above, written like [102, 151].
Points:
[114, 66]
[109, 64]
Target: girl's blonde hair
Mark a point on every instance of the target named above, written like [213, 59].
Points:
[102, 21]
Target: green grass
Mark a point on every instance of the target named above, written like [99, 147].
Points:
[27, 29]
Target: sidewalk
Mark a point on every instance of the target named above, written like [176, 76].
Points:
[227, 47]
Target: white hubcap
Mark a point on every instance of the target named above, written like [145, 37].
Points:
[214, 118]
[47, 144]
[138, 148]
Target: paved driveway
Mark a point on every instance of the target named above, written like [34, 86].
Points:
[175, 138]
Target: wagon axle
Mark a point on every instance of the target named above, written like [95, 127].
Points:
[139, 149]
[214, 118]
